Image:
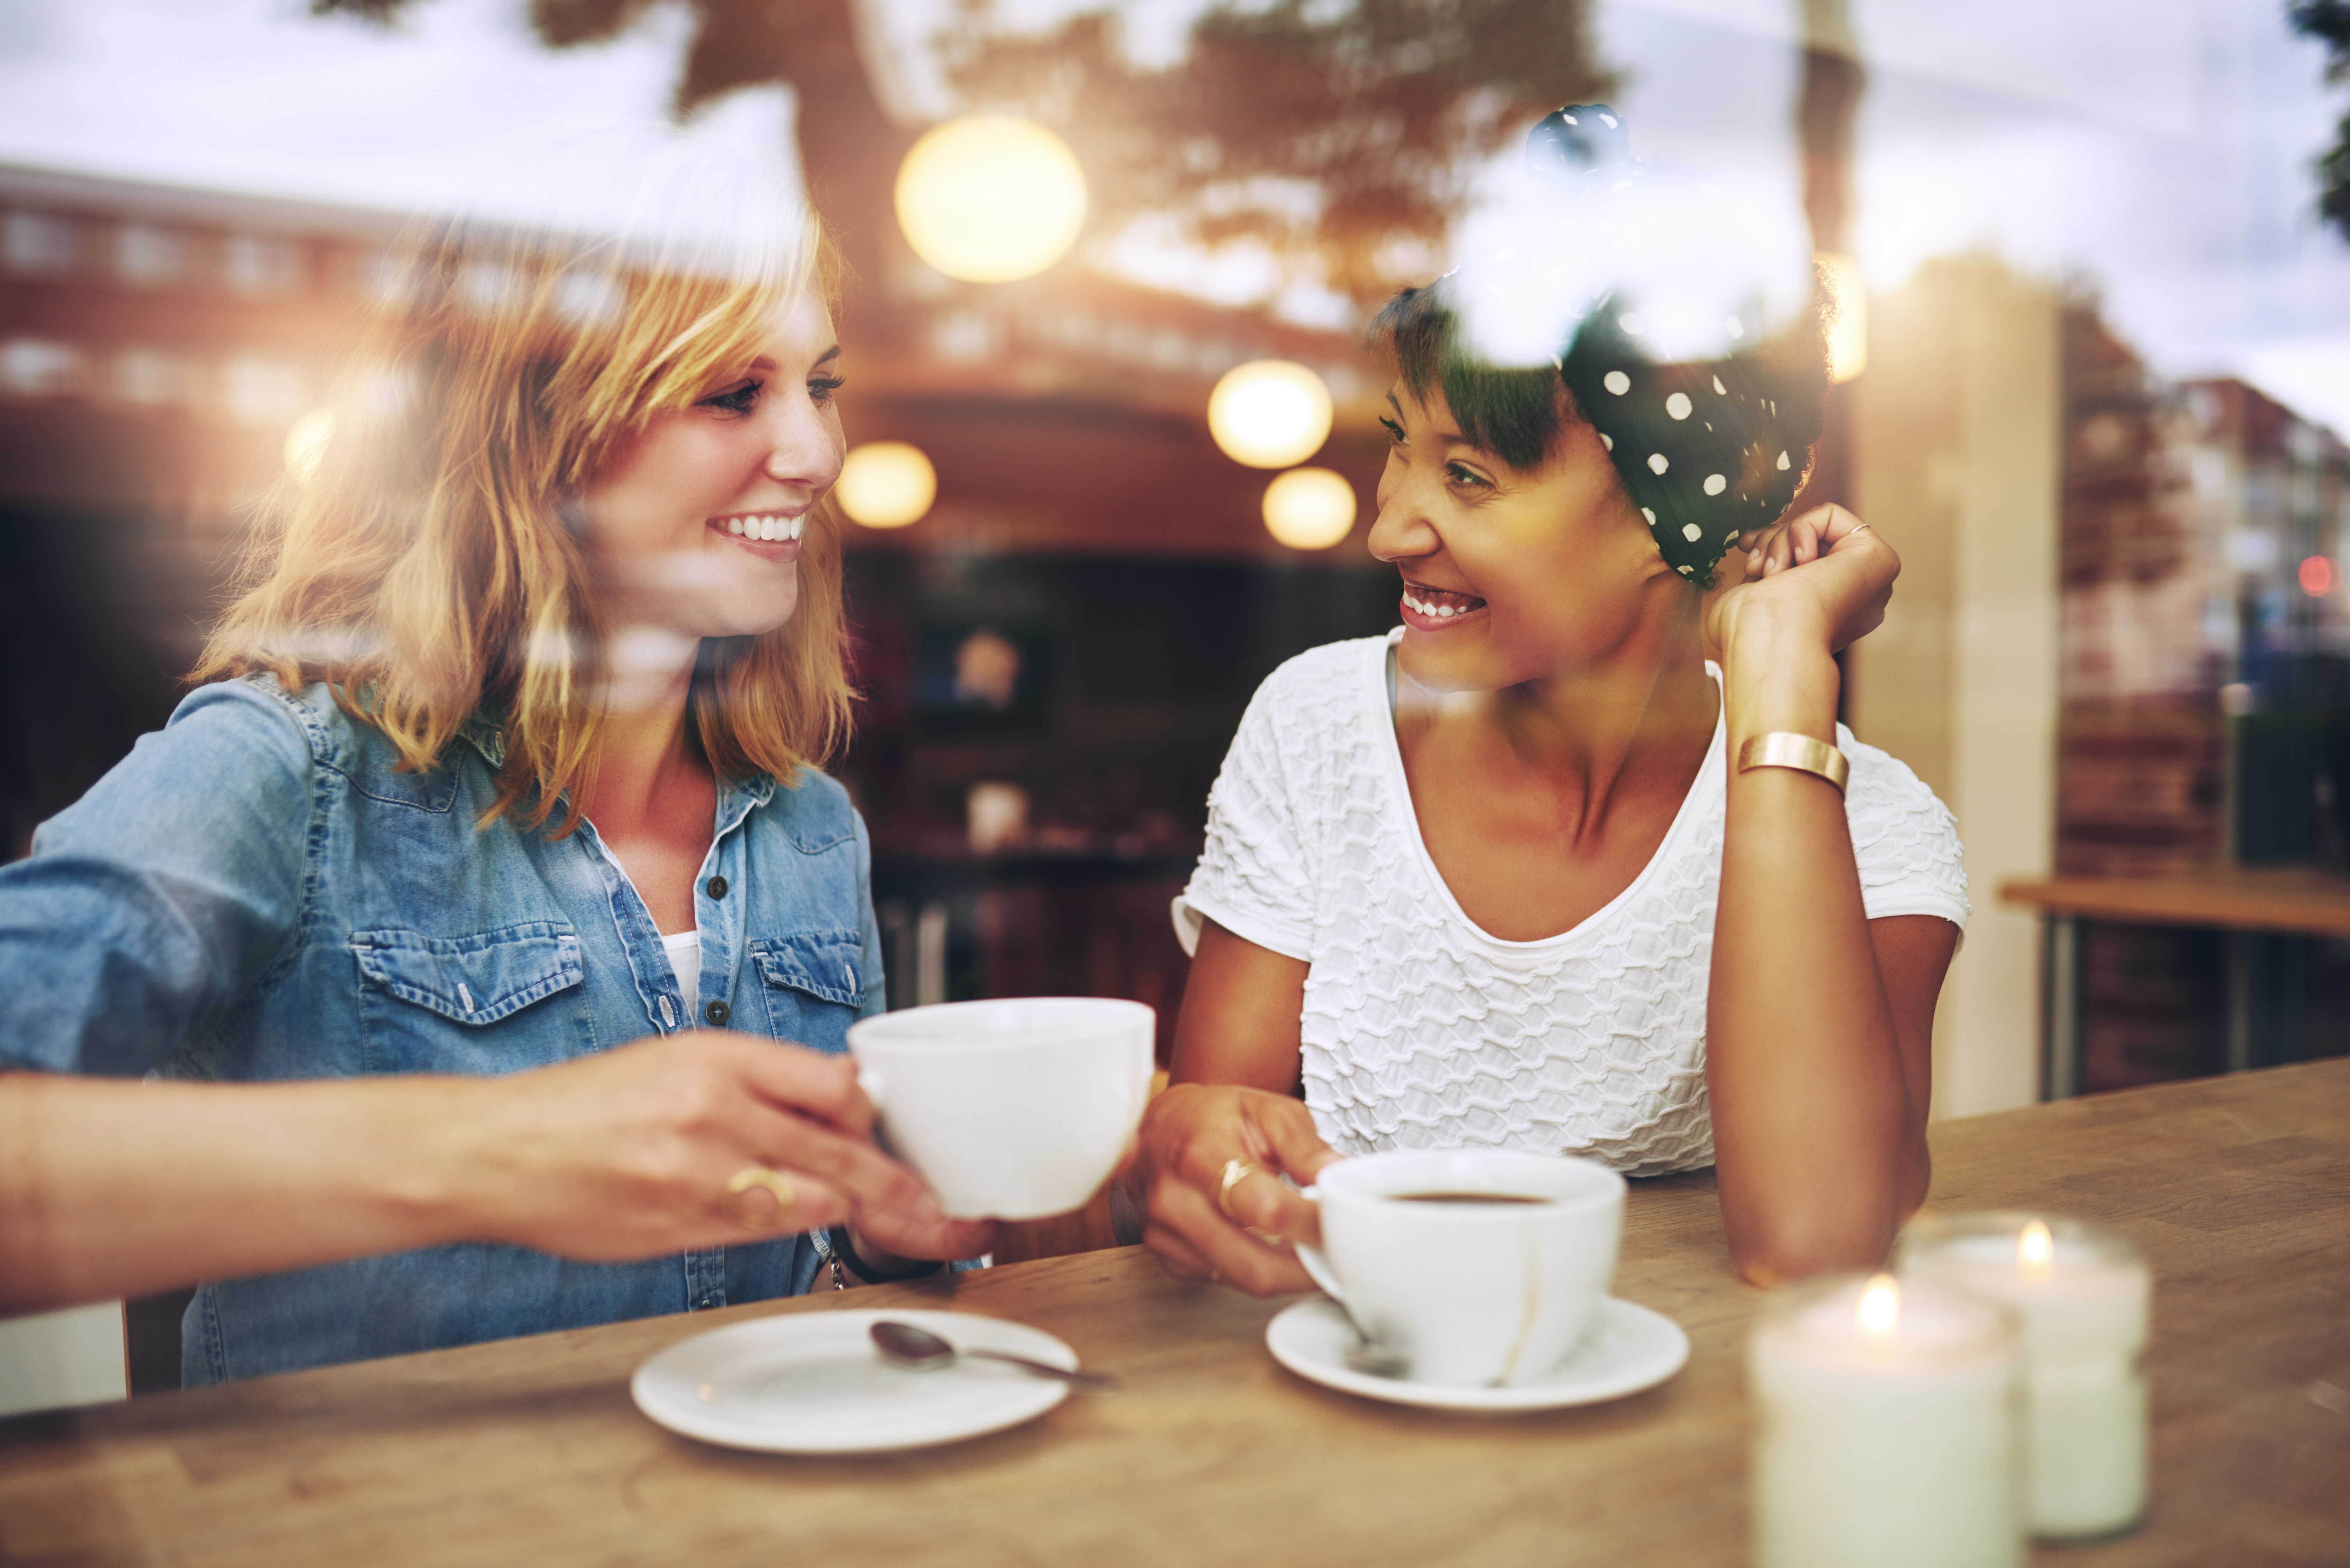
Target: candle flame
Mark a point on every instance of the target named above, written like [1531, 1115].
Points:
[1880, 1304]
[2035, 1250]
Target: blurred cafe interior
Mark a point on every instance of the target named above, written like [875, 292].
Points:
[2092, 354]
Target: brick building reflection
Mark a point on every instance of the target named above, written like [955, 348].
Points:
[2206, 713]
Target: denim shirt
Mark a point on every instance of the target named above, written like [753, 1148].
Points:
[256, 894]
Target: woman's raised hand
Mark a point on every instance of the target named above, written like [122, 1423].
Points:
[1825, 567]
[630, 1154]
[1212, 1157]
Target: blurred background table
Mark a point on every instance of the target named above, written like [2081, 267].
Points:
[2266, 917]
[530, 1450]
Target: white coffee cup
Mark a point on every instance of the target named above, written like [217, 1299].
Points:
[1011, 1110]
[1434, 1261]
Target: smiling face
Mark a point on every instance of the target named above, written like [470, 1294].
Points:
[1511, 576]
[694, 524]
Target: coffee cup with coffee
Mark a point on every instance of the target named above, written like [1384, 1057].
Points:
[1477, 1267]
[1013, 1109]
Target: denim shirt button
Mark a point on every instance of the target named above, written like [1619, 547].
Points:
[718, 1012]
[715, 887]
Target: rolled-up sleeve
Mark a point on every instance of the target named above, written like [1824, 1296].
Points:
[152, 906]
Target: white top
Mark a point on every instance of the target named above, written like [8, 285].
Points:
[683, 949]
[1423, 1031]
[685, 961]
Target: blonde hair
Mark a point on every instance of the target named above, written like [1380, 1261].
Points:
[427, 566]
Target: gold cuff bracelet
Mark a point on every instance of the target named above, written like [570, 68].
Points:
[1785, 749]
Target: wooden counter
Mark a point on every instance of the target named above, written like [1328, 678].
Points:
[2294, 899]
[2252, 907]
[530, 1452]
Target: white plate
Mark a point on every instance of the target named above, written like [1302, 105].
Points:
[1629, 1348]
[813, 1383]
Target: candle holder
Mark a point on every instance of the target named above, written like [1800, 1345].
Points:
[2080, 1296]
[1886, 1427]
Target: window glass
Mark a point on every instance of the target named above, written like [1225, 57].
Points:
[262, 388]
[36, 242]
[145, 253]
[256, 265]
[151, 376]
[34, 368]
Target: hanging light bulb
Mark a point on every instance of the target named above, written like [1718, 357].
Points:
[1269, 414]
[1309, 508]
[886, 485]
[991, 198]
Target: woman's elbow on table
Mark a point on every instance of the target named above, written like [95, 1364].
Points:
[1796, 1239]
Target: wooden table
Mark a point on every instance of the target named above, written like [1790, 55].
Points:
[2249, 904]
[530, 1453]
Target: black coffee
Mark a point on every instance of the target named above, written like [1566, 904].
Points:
[1465, 1198]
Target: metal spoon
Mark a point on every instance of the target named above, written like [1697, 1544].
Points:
[919, 1350]
[1373, 1359]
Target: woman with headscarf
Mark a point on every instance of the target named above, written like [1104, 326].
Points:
[1578, 860]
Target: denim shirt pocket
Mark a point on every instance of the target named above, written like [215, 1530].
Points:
[813, 983]
[471, 1004]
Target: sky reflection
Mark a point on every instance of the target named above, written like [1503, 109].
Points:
[2154, 151]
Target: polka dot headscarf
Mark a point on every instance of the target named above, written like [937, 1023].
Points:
[1708, 426]
[1702, 449]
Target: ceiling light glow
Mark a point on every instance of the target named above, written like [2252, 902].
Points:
[1269, 414]
[1309, 508]
[991, 198]
[886, 485]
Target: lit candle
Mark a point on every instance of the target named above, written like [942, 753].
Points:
[1885, 1429]
[2080, 1294]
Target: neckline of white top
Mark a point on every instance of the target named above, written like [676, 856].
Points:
[1381, 691]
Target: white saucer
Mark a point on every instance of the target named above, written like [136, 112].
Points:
[813, 1383]
[1629, 1348]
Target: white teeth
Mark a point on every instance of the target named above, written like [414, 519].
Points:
[767, 527]
[1434, 611]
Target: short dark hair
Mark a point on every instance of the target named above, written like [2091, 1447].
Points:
[1513, 412]
[1731, 458]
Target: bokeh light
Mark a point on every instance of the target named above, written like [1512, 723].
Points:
[306, 443]
[1269, 414]
[886, 485]
[1309, 508]
[991, 198]
[2318, 575]
[1848, 336]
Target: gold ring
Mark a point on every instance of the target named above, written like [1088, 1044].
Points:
[1235, 1168]
[767, 1181]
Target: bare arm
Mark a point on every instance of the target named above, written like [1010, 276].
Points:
[1819, 1021]
[1233, 1095]
[110, 1187]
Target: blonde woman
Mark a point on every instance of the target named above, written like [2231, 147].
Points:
[506, 759]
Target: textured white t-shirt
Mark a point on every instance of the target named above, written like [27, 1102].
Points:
[1423, 1031]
